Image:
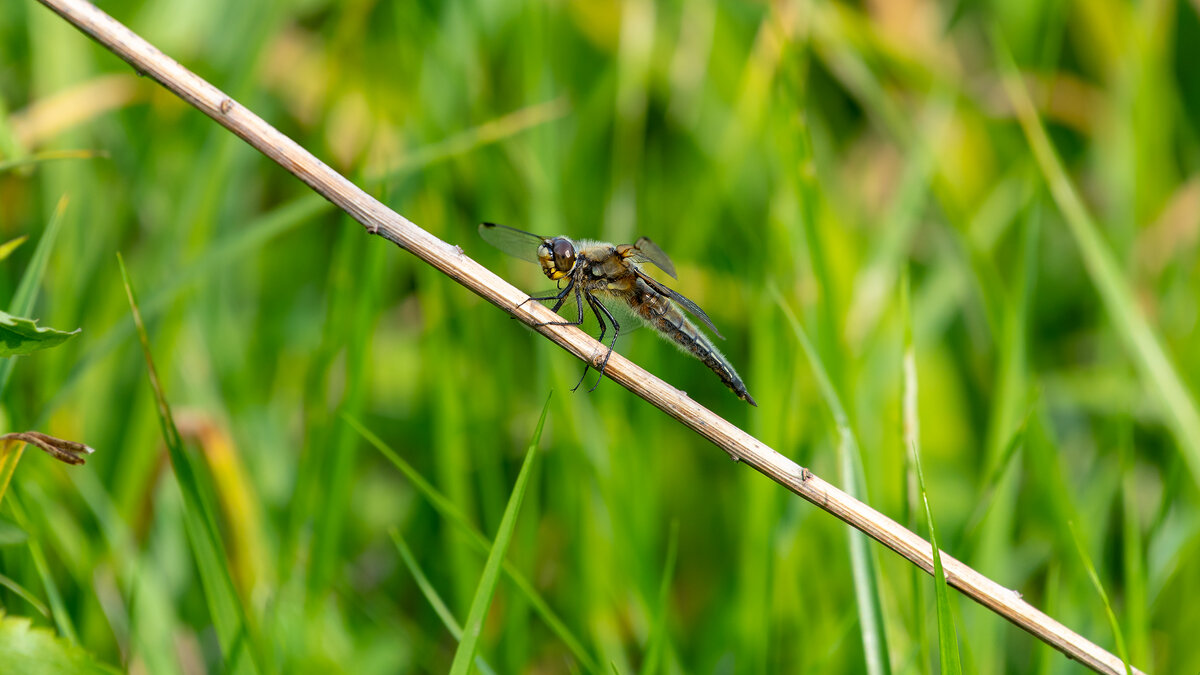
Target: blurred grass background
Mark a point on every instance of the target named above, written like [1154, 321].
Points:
[821, 151]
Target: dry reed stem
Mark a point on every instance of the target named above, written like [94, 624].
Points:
[379, 219]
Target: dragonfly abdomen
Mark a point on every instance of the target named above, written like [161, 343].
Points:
[676, 327]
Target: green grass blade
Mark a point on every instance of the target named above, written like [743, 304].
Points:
[863, 567]
[988, 486]
[656, 646]
[332, 460]
[469, 140]
[62, 618]
[1108, 610]
[1047, 656]
[50, 156]
[11, 245]
[491, 569]
[1133, 565]
[25, 594]
[10, 456]
[26, 294]
[947, 635]
[225, 607]
[154, 622]
[1157, 372]
[435, 599]
[909, 433]
[824, 383]
[450, 512]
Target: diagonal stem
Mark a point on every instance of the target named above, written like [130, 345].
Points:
[450, 260]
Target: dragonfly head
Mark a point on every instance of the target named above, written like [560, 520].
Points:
[557, 256]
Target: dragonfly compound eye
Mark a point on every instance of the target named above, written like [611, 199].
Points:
[564, 255]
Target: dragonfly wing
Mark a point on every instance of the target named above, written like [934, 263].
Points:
[512, 241]
[681, 301]
[648, 251]
[621, 311]
[569, 311]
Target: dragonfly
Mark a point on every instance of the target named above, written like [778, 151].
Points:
[609, 277]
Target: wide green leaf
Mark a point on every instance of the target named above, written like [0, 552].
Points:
[25, 649]
[23, 336]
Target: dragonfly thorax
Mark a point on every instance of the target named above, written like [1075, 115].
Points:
[557, 256]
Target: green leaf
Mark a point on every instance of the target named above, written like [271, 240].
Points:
[24, 336]
[491, 569]
[25, 649]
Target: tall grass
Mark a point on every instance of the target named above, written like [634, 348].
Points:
[816, 148]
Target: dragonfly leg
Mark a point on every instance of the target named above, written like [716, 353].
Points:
[597, 305]
[603, 328]
[561, 297]
[578, 304]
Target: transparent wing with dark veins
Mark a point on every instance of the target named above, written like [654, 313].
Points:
[512, 241]
[648, 251]
[681, 301]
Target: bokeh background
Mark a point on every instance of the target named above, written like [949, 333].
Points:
[801, 156]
